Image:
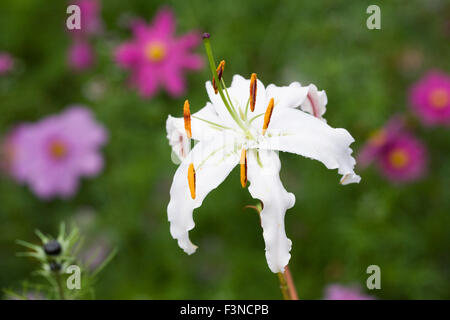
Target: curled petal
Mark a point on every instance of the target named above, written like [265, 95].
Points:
[265, 185]
[213, 161]
[297, 132]
[315, 102]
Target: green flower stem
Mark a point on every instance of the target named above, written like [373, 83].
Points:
[212, 65]
[283, 286]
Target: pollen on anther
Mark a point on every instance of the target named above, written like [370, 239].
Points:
[268, 115]
[253, 89]
[219, 72]
[187, 119]
[243, 164]
[191, 180]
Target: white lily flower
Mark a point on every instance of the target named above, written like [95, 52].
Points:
[228, 133]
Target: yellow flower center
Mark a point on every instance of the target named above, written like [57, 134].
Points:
[439, 98]
[378, 138]
[398, 158]
[58, 150]
[155, 51]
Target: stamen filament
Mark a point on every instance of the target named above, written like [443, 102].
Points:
[267, 116]
[187, 119]
[243, 164]
[191, 180]
[255, 117]
[212, 123]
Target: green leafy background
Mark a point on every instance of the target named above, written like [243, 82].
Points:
[336, 231]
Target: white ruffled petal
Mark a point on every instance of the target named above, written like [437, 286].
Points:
[213, 161]
[295, 131]
[265, 185]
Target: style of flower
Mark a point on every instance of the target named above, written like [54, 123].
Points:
[156, 58]
[430, 98]
[247, 124]
[52, 154]
[6, 63]
[339, 292]
[399, 155]
[81, 55]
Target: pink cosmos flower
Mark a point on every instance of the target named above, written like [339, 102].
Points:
[430, 98]
[339, 292]
[91, 23]
[156, 58]
[81, 55]
[6, 63]
[52, 154]
[400, 156]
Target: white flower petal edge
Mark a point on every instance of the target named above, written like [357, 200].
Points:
[297, 132]
[265, 185]
[213, 162]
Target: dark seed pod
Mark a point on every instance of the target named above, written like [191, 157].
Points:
[55, 266]
[52, 248]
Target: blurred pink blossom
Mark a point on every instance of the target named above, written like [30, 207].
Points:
[399, 155]
[156, 57]
[52, 154]
[91, 22]
[339, 292]
[81, 55]
[430, 98]
[6, 63]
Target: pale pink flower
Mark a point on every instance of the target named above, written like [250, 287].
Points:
[156, 58]
[52, 154]
[339, 292]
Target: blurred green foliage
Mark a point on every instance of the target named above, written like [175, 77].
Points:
[336, 231]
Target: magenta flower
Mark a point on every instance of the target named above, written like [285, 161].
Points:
[339, 292]
[156, 58]
[52, 154]
[399, 155]
[6, 63]
[430, 98]
[81, 55]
